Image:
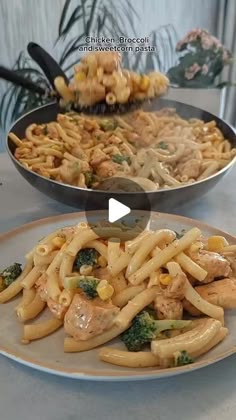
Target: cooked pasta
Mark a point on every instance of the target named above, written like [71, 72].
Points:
[129, 291]
[157, 150]
[100, 78]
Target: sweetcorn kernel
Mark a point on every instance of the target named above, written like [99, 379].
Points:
[216, 243]
[58, 241]
[144, 83]
[80, 76]
[165, 279]
[105, 290]
[100, 73]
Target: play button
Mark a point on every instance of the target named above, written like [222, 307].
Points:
[116, 210]
[119, 202]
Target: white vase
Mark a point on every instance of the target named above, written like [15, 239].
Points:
[209, 99]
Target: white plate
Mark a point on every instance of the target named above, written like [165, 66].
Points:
[47, 354]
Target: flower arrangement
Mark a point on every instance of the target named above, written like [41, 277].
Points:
[201, 58]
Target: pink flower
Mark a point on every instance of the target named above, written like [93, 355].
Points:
[206, 42]
[191, 71]
[189, 37]
[209, 41]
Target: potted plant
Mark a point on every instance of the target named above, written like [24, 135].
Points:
[195, 77]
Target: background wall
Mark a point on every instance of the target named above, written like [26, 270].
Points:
[22, 21]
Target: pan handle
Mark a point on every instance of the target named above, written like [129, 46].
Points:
[14, 77]
[46, 62]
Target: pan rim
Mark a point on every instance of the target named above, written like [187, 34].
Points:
[160, 190]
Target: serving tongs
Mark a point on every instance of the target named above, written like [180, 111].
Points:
[14, 77]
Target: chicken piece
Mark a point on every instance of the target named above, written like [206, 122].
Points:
[168, 308]
[176, 288]
[69, 171]
[108, 60]
[38, 130]
[191, 168]
[56, 308]
[114, 139]
[102, 273]
[78, 152]
[215, 264]
[108, 169]
[133, 137]
[87, 318]
[90, 124]
[90, 92]
[41, 287]
[220, 292]
[232, 261]
[97, 157]
[52, 131]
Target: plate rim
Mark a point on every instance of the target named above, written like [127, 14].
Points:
[118, 376]
[121, 375]
[45, 220]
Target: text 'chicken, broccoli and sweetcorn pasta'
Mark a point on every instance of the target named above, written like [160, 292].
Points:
[154, 149]
[162, 293]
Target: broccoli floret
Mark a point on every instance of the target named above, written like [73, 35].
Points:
[162, 145]
[145, 328]
[89, 179]
[86, 256]
[89, 286]
[10, 274]
[183, 358]
[120, 158]
[108, 125]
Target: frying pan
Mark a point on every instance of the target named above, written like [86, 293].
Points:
[160, 200]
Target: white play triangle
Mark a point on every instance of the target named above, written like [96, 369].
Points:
[116, 210]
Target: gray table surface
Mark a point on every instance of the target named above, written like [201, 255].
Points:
[26, 394]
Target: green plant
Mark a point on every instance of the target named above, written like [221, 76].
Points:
[201, 59]
[164, 39]
[107, 18]
[16, 100]
[94, 18]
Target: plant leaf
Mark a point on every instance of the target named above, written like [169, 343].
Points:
[16, 99]
[71, 47]
[73, 19]
[63, 18]
[90, 20]
[6, 105]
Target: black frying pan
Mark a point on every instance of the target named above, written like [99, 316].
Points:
[161, 200]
